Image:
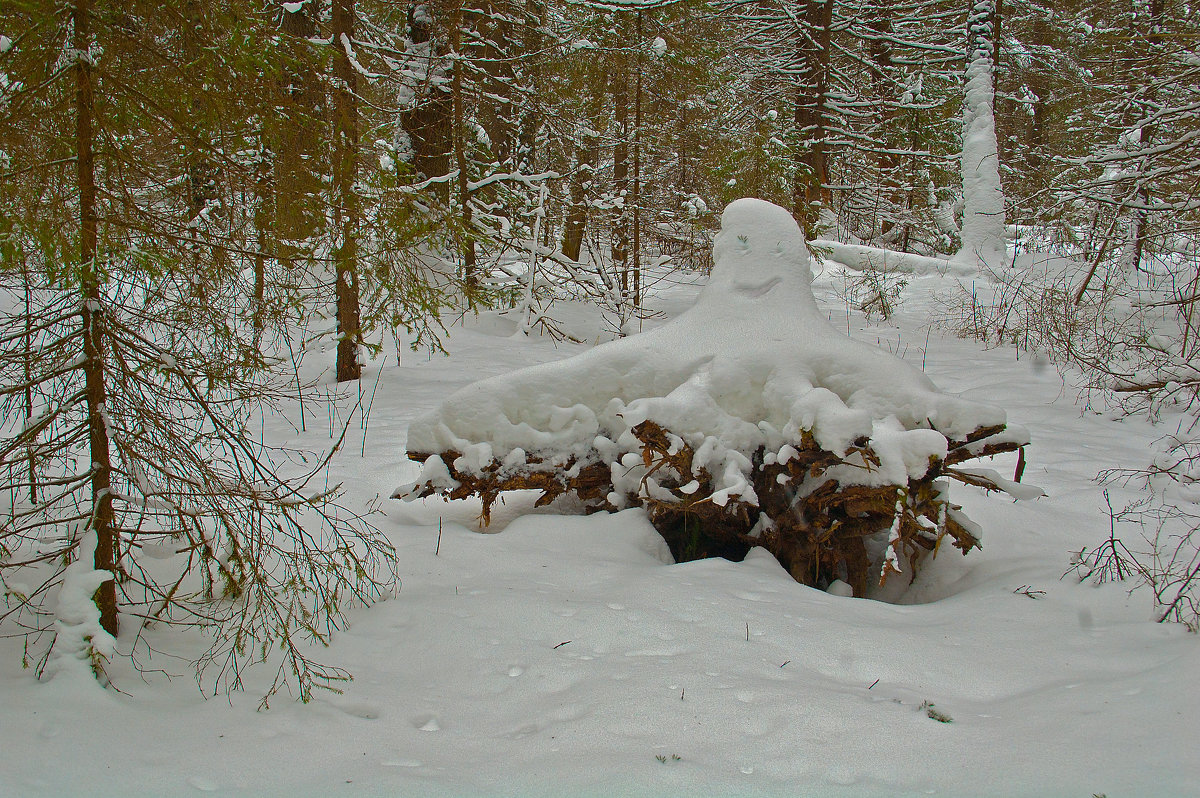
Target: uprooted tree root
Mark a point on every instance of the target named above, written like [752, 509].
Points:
[816, 526]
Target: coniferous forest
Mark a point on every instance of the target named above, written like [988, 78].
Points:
[218, 217]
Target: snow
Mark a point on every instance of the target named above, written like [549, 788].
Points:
[859, 258]
[983, 240]
[753, 364]
[80, 642]
[564, 655]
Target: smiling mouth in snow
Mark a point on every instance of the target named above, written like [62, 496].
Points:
[757, 289]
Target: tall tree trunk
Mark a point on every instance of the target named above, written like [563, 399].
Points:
[620, 251]
[983, 233]
[429, 123]
[1154, 40]
[264, 223]
[1003, 110]
[496, 50]
[470, 277]
[298, 179]
[102, 517]
[810, 184]
[346, 209]
[882, 83]
[530, 116]
[637, 169]
[1039, 85]
[586, 155]
[200, 172]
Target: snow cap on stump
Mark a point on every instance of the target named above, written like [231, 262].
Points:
[749, 417]
[753, 363]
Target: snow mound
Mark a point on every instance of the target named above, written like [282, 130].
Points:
[753, 365]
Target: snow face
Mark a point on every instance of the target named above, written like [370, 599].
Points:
[753, 364]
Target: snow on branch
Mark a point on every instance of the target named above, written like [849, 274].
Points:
[861, 258]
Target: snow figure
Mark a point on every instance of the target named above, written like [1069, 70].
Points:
[748, 420]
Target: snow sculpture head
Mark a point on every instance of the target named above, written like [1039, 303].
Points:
[759, 244]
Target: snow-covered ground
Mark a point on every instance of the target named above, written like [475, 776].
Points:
[567, 656]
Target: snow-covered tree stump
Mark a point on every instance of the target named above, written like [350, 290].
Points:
[746, 421]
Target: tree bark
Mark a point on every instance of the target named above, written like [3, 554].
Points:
[429, 122]
[881, 77]
[1155, 40]
[983, 233]
[587, 154]
[637, 169]
[102, 517]
[620, 250]
[346, 206]
[298, 181]
[810, 184]
[530, 116]
[1038, 84]
[496, 49]
[470, 278]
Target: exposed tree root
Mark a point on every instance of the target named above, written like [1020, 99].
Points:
[817, 527]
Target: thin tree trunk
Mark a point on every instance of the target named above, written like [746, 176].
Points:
[470, 278]
[102, 518]
[298, 181]
[27, 363]
[263, 223]
[637, 171]
[810, 184]
[585, 172]
[881, 77]
[1155, 42]
[346, 211]
[620, 94]
[429, 123]
[201, 175]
